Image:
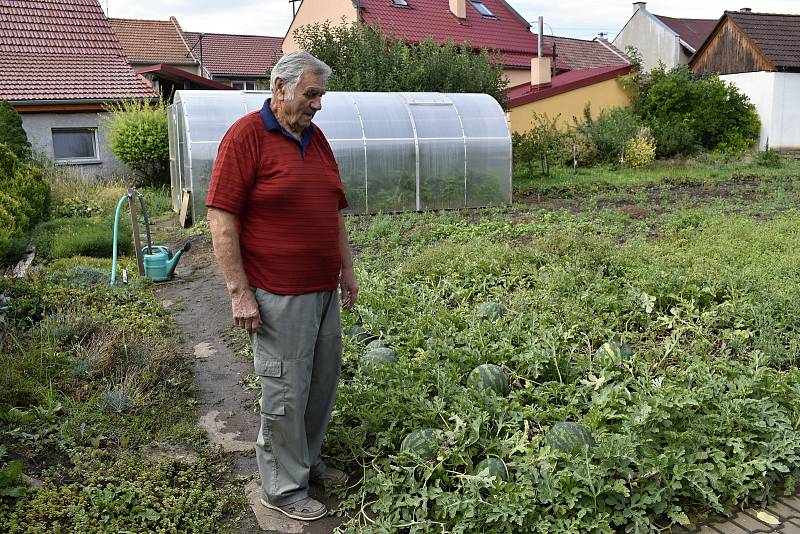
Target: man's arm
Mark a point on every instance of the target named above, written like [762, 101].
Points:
[225, 238]
[347, 280]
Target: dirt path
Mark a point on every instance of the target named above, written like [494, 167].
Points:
[199, 302]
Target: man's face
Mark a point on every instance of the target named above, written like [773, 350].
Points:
[307, 100]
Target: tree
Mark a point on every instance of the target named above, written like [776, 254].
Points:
[137, 135]
[367, 58]
[11, 132]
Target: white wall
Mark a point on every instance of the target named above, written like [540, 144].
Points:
[653, 39]
[775, 96]
[38, 127]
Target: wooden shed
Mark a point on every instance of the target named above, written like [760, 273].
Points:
[744, 41]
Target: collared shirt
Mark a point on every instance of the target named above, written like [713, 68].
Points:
[271, 124]
[286, 195]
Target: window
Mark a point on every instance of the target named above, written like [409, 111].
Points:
[400, 3]
[482, 9]
[244, 85]
[75, 145]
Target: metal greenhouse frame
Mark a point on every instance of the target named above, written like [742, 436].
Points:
[396, 151]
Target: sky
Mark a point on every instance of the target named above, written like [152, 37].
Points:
[582, 19]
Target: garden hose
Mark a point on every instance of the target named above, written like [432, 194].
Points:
[116, 234]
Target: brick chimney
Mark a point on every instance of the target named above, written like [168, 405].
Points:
[459, 8]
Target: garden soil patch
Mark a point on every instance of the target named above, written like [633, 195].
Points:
[198, 300]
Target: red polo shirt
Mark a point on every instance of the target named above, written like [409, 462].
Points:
[286, 195]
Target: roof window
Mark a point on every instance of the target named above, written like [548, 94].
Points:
[400, 3]
[482, 9]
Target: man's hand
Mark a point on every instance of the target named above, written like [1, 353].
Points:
[349, 287]
[245, 310]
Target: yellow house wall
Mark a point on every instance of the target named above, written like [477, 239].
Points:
[318, 11]
[600, 96]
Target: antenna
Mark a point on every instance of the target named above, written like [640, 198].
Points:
[294, 7]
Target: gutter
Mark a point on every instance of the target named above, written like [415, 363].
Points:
[78, 101]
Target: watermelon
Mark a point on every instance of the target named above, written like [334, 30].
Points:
[491, 310]
[489, 376]
[613, 353]
[357, 333]
[423, 443]
[492, 467]
[569, 436]
[378, 356]
[376, 344]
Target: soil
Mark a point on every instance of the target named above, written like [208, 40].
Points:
[198, 300]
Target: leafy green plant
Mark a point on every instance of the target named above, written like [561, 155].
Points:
[769, 158]
[640, 151]
[717, 113]
[611, 130]
[137, 135]
[94, 236]
[372, 58]
[11, 484]
[12, 134]
[543, 144]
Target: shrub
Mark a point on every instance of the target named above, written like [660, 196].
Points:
[13, 216]
[544, 143]
[8, 161]
[11, 132]
[640, 151]
[673, 139]
[5, 239]
[64, 238]
[579, 147]
[29, 186]
[137, 135]
[611, 130]
[717, 114]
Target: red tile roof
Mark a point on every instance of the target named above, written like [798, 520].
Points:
[236, 55]
[777, 36]
[507, 32]
[581, 54]
[568, 81]
[693, 31]
[153, 41]
[62, 50]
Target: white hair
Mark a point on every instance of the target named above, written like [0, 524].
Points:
[290, 68]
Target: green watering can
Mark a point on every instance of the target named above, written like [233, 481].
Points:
[159, 263]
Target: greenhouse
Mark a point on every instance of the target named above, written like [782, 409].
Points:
[396, 151]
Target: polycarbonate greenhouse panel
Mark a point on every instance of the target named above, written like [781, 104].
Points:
[174, 175]
[396, 151]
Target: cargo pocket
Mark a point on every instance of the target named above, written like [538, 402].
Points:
[273, 386]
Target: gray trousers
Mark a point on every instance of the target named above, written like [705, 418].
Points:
[297, 353]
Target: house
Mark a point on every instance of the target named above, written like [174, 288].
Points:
[591, 78]
[660, 39]
[241, 61]
[60, 65]
[159, 50]
[491, 24]
[759, 53]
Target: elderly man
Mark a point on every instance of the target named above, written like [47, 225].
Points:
[274, 206]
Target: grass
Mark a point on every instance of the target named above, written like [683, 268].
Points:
[708, 168]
